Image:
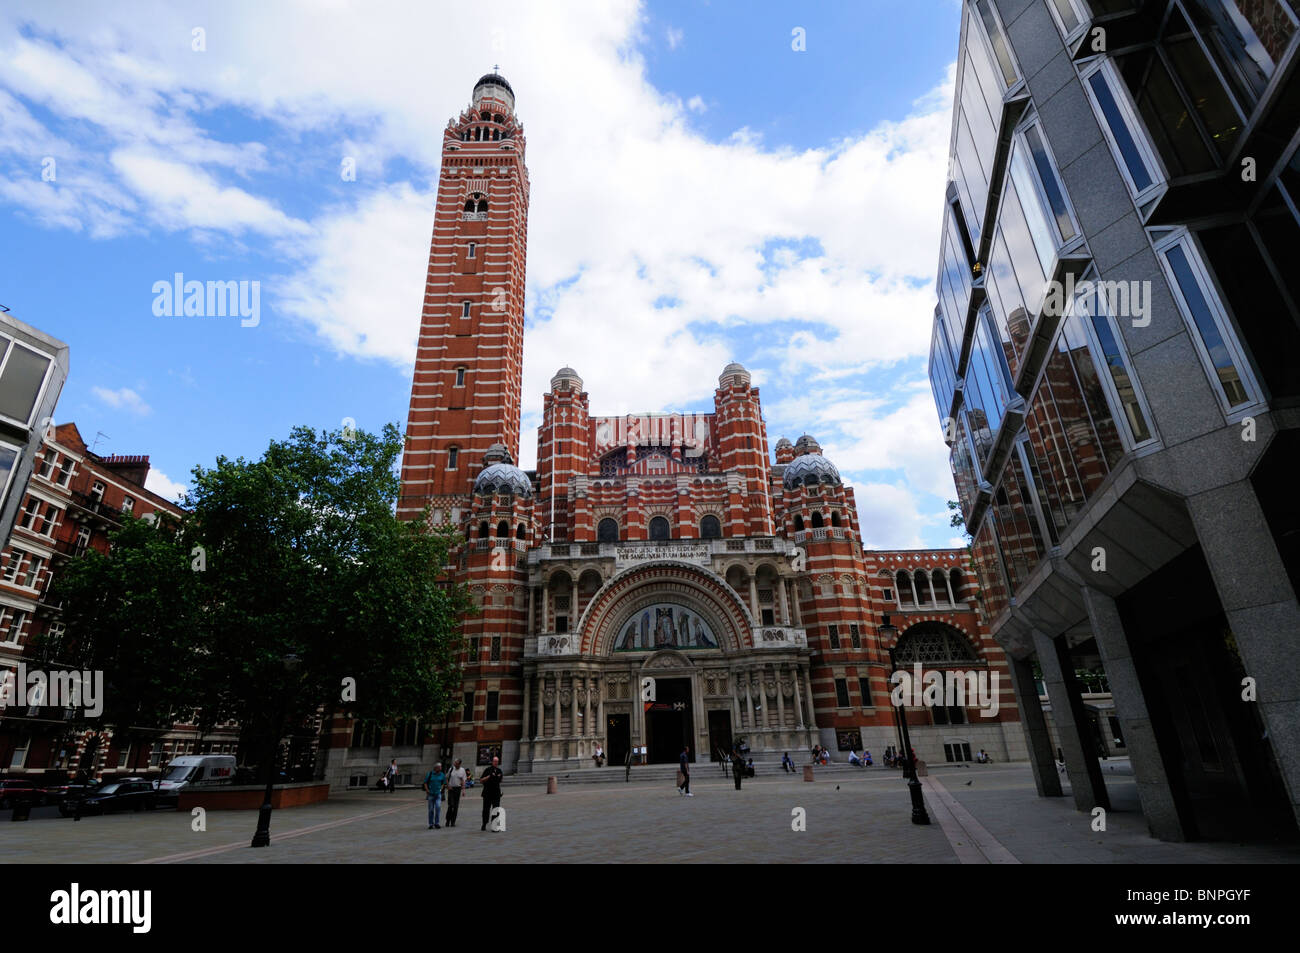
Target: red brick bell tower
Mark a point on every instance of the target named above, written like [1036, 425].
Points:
[466, 393]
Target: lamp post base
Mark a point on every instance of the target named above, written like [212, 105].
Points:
[262, 836]
[919, 815]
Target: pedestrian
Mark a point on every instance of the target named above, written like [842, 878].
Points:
[598, 755]
[737, 767]
[390, 776]
[433, 782]
[787, 763]
[684, 772]
[455, 787]
[491, 781]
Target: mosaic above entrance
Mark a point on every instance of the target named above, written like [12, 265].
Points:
[660, 626]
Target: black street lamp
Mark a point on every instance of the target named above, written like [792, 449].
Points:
[888, 633]
[262, 837]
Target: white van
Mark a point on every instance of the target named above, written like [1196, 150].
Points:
[195, 770]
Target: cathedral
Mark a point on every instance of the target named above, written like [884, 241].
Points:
[660, 580]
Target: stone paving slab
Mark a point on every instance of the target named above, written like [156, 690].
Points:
[860, 819]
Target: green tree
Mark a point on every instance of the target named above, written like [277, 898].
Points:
[297, 555]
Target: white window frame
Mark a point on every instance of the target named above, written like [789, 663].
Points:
[464, 309]
[1130, 441]
[83, 544]
[1044, 203]
[1083, 16]
[460, 376]
[45, 381]
[471, 251]
[8, 478]
[1223, 321]
[128, 504]
[1136, 128]
[978, 22]
[14, 566]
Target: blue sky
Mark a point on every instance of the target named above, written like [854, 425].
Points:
[701, 192]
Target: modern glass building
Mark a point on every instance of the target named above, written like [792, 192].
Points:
[1115, 360]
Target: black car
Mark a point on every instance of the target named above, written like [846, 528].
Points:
[131, 795]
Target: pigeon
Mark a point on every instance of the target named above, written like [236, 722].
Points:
[837, 787]
[969, 783]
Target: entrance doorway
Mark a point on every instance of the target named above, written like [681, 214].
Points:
[719, 735]
[668, 721]
[618, 738]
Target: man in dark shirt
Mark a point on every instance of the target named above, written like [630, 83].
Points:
[684, 767]
[491, 781]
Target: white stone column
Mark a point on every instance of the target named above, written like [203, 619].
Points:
[794, 600]
[812, 703]
[780, 702]
[541, 709]
[541, 625]
[798, 696]
[586, 709]
[753, 601]
[784, 598]
[749, 703]
[573, 704]
[528, 695]
[532, 610]
[555, 705]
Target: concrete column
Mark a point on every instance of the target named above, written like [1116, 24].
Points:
[573, 704]
[555, 733]
[812, 702]
[599, 725]
[1154, 790]
[541, 702]
[542, 625]
[784, 601]
[1071, 723]
[587, 727]
[1046, 778]
[573, 608]
[528, 689]
[794, 600]
[749, 703]
[1262, 611]
[780, 700]
[735, 701]
[798, 696]
[532, 610]
[753, 601]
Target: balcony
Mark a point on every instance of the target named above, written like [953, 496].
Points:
[87, 509]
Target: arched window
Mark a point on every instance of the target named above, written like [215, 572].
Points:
[497, 117]
[496, 134]
[482, 205]
[798, 523]
[923, 596]
[817, 521]
[906, 594]
[607, 531]
[659, 528]
[460, 377]
[503, 530]
[940, 582]
[453, 456]
[485, 115]
[835, 518]
[483, 530]
[932, 643]
[958, 583]
[522, 532]
[710, 528]
[473, 250]
[810, 480]
[469, 205]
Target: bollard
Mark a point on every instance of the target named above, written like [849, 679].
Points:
[552, 785]
[921, 770]
[807, 772]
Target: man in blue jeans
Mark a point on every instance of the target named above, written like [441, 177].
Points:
[433, 782]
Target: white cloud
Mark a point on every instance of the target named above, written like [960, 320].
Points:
[674, 37]
[158, 482]
[124, 398]
[638, 210]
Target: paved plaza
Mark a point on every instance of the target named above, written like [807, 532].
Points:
[981, 814]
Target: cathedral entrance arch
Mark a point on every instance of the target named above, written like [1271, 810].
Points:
[669, 721]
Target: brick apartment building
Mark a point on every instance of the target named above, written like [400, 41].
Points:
[72, 501]
[676, 546]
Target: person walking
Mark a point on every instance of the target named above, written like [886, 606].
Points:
[684, 772]
[491, 781]
[390, 776]
[433, 782]
[455, 788]
[737, 767]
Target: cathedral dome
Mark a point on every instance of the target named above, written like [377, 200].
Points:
[494, 85]
[503, 478]
[568, 376]
[807, 444]
[734, 370]
[783, 443]
[809, 469]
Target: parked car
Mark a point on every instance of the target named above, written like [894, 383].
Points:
[135, 794]
[20, 790]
